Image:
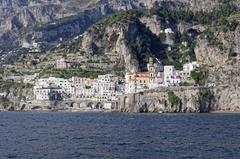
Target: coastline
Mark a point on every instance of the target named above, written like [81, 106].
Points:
[224, 112]
[115, 111]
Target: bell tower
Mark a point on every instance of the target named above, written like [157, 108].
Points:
[151, 70]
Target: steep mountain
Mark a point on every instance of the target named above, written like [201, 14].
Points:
[54, 20]
[128, 38]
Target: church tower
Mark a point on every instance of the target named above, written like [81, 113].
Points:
[151, 70]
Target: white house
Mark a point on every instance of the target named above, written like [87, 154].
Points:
[47, 93]
[65, 84]
[188, 67]
[170, 76]
[106, 87]
[168, 31]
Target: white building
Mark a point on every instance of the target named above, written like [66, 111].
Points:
[184, 75]
[66, 64]
[63, 64]
[104, 88]
[65, 84]
[168, 31]
[170, 76]
[107, 106]
[47, 93]
[188, 67]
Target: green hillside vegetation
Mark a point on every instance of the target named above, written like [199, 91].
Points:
[234, 16]
[204, 18]
[173, 99]
[199, 75]
[78, 72]
[121, 17]
[146, 44]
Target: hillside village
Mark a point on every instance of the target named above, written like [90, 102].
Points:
[127, 53]
[107, 88]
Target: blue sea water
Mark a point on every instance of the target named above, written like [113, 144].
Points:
[119, 136]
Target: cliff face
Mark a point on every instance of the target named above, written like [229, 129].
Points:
[126, 37]
[114, 42]
[17, 94]
[172, 100]
[222, 60]
[117, 40]
[22, 20]
[48, 21]
[194, 5]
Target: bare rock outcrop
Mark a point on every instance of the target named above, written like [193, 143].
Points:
[158, 100]
[152, 23]
[114, 41]
[222, 61]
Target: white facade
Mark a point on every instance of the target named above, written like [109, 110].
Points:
[104, 88]
[47, 93]
[64, 84]
[170, 76]
[168, 31]
[188, 67]
[107, 106]
[169, 72]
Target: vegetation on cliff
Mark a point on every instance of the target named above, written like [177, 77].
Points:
[147, 44]
[200, 75]
[173, 99]
[200, 17]
[78, 72]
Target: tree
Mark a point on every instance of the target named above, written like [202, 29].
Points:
[173, 99]
[223, 21]
[199, 75]
[34, 62]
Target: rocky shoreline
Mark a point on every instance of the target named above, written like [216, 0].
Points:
[225, 111]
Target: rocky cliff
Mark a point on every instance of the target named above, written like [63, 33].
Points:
[123, 35]
[222, 59]
[168, 100]
[49, 21]
[16, 94]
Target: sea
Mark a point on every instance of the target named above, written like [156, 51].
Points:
[119, 136]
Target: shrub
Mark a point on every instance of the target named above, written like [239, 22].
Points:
[173, 99]
[185, 84]
[199, 75]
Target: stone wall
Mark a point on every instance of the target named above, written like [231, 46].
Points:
[66, 105]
